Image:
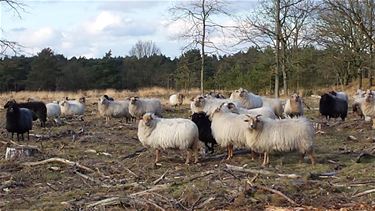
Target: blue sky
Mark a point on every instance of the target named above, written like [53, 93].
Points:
[91, 28]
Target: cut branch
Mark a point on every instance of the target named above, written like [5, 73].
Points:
[59, 160]
[263, 172]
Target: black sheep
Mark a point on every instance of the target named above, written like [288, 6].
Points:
[332, 106]
[37, 107]
[204, 127]
[18, 120]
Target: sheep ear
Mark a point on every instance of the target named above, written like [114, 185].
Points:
[258, 117]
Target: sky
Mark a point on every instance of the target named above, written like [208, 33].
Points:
[92, 28]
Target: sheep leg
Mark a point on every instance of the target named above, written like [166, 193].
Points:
[229, 151]
[18, 137]
[302, 158]
[253, 155]
[266, 159]
[28, 135]
[157, 155]
[188, 155]
[195, 151]
[312, 157]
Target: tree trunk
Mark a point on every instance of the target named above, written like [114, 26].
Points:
[277, 50]
[203, 44]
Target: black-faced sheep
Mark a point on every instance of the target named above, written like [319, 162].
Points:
[205, 133]
[177, 133]
[18, 120]
[331, 106]
[37, 107]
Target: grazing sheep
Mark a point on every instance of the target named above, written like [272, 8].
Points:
[38, 108]
[214, 95]
[264, 111]
[207, 105]
[205, 133]
[332, 106]
[159, 133]
[246, 99]
[72, 107]
[293, 106]
[176, 99]
[18, 120]
[138, 107]
[275, 104]
[109, 108]
[341, 95]
[54, 111]
[228, 129]
[265, 135]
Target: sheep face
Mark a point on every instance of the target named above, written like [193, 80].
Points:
[10, 103]
[63, 103]
[12, 108]
[134, 100]
[231, 107]
[253, 122]
[82, 100]
[295, 97]
[199, 101]
[103, 101]
[369, 96]
[147, 119]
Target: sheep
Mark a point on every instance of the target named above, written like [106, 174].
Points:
[108, 98]
[110, 108]
[341, 95]
[359, 98]
[265, 135]
[207, 105]
[214, 95]
[246, 99]
[204, 127]
[332, 106]
[159, 133]
[264, 111]
[294, 106]
[138, 107]
[72, 107]
[18, 120]
[176, 99]
[368, 107]
[275, 104]
[54, 111]
[38, 108]
[228, 129]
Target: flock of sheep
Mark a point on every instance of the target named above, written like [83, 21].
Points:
[244, 120]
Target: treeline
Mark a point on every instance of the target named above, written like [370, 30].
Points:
[253, 69]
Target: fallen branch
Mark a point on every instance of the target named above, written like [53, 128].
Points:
[59, 160]
[205, 202]
[322, 175]
[364, 193]
[133, 154]
[263, 172]
[160, 178]
[272, 191]
[92, 179]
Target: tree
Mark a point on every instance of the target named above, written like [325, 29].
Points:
[199, 19]
[5, 44]
[144, 49]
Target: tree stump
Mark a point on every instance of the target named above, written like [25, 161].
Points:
[18, 152]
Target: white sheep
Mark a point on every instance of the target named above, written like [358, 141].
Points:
[228, 129]
[294, 106]
[275, 104]
[138, 107]
[54, 111]
[159, 133]
[368, 107]
[207, 105]
[111, 108]
[72, 107]
[265, 135]
[264, 111]
[246, 99]
[176, 99]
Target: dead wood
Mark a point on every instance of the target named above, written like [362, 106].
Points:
[322, 175]
[92, 179]
[160, 178]
[263, 172]
[21, 151]
[272, 191]
[364, 193]
[59, 160]
[362, 156]
[133, 154]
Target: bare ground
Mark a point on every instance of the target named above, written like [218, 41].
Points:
[124, 176]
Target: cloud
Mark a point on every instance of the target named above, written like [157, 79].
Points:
[129, 6]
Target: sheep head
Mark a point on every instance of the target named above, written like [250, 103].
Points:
[103, 100]
[147, 119]
[369, 96]
[10, 103]
[295, 97]
[254, 122]
[232, 107]
[82, 100]
[199, 101]
[133, 100]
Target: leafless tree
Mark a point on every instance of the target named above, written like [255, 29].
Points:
[144, 49]
[282, 24]
[5, 44]
[200, 26]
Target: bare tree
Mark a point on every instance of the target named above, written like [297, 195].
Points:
[5, 44]
[200, 26]
[144, 49]
[281, 24]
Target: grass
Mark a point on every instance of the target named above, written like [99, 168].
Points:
[40, 188]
